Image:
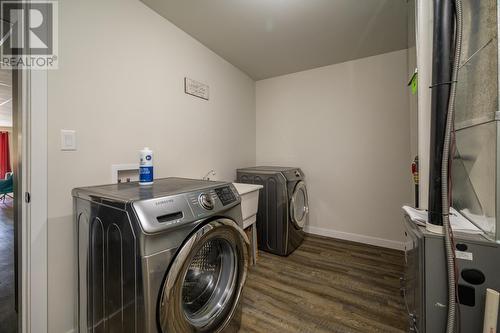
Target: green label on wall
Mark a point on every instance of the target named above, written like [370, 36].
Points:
[414, 83]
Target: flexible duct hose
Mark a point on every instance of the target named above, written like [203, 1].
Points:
[442, 68]
[450, 254]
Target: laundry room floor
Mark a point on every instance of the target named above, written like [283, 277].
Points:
[327, 285]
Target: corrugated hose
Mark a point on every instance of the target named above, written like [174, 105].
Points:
[450, 253]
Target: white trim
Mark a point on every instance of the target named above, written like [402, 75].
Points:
[358, 238]
[37, 166]
[32, 138]
[22, 168]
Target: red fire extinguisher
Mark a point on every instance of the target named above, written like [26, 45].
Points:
[414, 171]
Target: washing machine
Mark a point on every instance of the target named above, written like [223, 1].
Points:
[283, 207]
[168, 258]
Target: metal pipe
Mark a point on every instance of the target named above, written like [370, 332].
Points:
[441, 78]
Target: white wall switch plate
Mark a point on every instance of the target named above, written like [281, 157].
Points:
[68, 140]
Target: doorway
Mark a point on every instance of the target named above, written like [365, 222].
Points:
[23, 301]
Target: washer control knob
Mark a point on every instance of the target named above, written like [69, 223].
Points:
[206, 201]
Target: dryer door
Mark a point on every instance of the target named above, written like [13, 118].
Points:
[203, 286]
[299, 205]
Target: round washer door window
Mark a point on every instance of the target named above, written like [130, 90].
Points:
[204, 283]
[209, 281]
[299, 205]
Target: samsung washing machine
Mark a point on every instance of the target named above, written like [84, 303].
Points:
[169, 258]
[283, 207]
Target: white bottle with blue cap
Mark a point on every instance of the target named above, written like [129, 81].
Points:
[146, 166]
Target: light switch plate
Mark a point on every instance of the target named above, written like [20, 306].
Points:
[68, 140]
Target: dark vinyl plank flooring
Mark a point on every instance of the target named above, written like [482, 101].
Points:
[8, 317]
[327, 285]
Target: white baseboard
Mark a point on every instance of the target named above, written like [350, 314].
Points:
[387, 243]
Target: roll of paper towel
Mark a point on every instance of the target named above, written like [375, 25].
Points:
[491, 311]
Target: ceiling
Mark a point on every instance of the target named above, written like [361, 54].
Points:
[266, 38]
[5, 98]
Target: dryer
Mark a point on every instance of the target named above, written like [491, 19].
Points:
[171, 257]
[283, 206]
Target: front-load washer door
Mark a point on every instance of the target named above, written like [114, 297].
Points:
[299, 205]
[203, 286]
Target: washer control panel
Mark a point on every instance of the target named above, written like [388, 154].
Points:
[226, 195]
[205, 201]
[176, 210]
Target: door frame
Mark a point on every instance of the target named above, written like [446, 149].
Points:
[31, 199]
[36, 221]
[30, 113]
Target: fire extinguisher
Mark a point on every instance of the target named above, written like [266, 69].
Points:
[414, 171]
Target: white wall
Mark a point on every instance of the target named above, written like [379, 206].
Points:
[120, 86]
[348, 127]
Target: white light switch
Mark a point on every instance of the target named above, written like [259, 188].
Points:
[68, 140]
